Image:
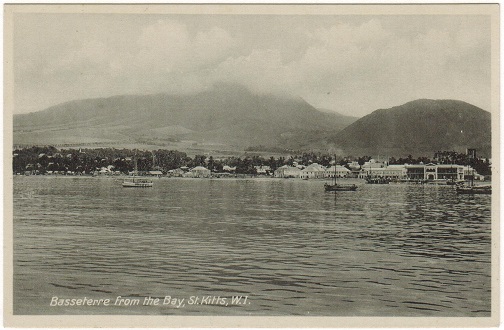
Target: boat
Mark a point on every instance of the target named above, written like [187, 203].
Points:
[136, 181]
[454, 182]
[472, 190]
[339, 187]
[336, 186]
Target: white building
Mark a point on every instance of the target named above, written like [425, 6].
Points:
[313, 171]
[287, 172]
[372, 164]
[391, 172]
[470, 172]
[262, 169]
[198, 172]
[227, 168]
[435, 172]
[340, 172]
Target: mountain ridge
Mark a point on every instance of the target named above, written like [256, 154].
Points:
[224, 114]
[417, 127]
[230, 115]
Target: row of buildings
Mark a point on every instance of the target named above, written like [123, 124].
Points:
[371, 169]
[380, 170]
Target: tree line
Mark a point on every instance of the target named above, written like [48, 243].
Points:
[41, 159]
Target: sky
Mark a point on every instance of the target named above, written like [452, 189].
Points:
[351, 64]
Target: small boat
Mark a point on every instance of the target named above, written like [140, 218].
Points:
[472, 190]
[454, 182]
[137, 182]
[338, 187]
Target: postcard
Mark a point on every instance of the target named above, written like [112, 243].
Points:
[239, 165]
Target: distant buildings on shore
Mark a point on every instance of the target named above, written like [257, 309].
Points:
[373, 169]
[50, 161]
[370, 169]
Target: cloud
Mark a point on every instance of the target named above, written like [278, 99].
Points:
[261, 70]
[349, 65]
[361, 68]
[90, 54]
[168, 45]
[333, 53]
[341, 36]
[167, 57]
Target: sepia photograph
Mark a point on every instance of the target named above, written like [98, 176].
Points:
[239, 165]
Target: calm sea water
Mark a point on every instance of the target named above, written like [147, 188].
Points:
[291, 248]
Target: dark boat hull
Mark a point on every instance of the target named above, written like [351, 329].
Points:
[474, 190]
[337, 187]
[137, 185]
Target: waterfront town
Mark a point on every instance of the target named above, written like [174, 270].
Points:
[445, 165]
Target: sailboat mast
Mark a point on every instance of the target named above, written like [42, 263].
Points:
[472, 176]
[335, 169]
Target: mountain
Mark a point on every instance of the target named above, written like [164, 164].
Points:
[226, 115]
[343, 119]
[419, 128]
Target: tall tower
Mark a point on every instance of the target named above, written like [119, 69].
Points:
[471, 153]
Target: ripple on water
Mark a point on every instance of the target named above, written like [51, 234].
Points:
[384, 250]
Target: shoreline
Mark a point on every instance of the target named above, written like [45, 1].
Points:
[241, 178]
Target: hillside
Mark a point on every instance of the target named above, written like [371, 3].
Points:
[231, 118]
[419, 127]
[226, 115]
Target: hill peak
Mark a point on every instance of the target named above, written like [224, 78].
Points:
[225, 114]
[419, 127]
[436, 104]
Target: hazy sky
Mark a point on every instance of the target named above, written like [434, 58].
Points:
[350, 64]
